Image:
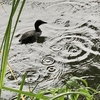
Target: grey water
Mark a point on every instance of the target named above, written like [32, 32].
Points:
[69, 44]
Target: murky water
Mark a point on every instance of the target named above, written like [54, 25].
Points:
[69, 45]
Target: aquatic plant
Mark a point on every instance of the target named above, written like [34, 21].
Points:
[74, 89]
[7, 40]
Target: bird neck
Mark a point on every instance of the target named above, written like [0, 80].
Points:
[38, 29]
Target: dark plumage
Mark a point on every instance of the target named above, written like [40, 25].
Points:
[33, 35]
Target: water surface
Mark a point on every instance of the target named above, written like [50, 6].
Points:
[69, 45]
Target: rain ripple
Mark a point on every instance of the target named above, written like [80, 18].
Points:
[47, 60]
[73, 48]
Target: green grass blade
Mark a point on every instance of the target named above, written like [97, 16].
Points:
[21, 86]
[69, 93]
[17, 20]
[6, 43]
[5, 52]
[18, 91]
[30, 94]
[15, 4]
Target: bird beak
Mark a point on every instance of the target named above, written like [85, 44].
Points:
[44, 22]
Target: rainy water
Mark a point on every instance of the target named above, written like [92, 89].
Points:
[69, 44]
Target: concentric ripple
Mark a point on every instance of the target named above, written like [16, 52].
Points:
[47, 60]
[65, 13]
[53, 76]
[73, 48]
[51, 69]
[10, 77]
[32, 75]
[61, 6]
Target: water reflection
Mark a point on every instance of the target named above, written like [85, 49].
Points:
[41, 39]
[33, 40]
[91, 74]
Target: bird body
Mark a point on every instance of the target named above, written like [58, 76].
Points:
[33, 35]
